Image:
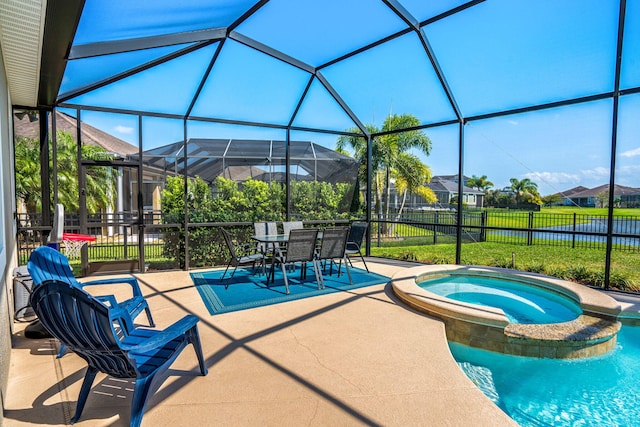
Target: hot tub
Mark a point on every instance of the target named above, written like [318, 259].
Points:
[525, 314]
[520, 302]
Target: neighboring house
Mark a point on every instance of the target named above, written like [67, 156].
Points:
[565, 196]
[628, 197]
[445, 188]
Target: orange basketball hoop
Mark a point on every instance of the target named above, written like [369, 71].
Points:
[74, 242]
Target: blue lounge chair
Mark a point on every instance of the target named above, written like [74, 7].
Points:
[105, 337]
[46, 263]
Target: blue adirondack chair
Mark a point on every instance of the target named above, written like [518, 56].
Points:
[46, 263]
[105, 337]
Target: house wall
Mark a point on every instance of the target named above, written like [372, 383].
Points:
[7, 233]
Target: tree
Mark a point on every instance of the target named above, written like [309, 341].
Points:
[525, 190]
[388, 154]
[602, 199]
[551, 199]
[480, 183]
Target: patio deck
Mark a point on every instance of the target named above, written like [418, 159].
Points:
[349, 358]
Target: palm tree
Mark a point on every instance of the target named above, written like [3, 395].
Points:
[100, 182]
[480, 183]
[387, 153]
[411, 175]
[524, 190]
[27, 158]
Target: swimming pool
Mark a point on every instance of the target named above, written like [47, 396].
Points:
[521, 303]
[598, 391]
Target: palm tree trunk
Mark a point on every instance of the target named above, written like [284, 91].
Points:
[404, 199]
[387, 202]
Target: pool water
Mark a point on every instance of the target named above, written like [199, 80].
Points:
[600, 391]
[521, 303]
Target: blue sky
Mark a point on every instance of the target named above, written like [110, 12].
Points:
[497, 55]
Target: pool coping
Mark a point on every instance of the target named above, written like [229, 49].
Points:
[592, 333]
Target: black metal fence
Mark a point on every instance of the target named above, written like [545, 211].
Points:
[117, 235]
[512, 227]
[163, 244]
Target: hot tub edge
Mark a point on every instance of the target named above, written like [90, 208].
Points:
[488, 328]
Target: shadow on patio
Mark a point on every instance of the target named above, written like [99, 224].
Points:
[348, 358]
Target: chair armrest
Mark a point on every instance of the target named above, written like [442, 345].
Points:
[131, 281]
[246, 249]
[163, 337]
[108, 300]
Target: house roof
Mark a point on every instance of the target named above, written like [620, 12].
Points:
[89, 134]
[453, 178]
[619, 190]
[570, 192]
[442, 184]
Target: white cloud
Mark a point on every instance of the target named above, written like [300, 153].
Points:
[124, 129]
[632, 170]
[553, 177]
[595, 173]
[512, 122]
[631, 153]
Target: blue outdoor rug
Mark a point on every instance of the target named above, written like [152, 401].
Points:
[248, 290]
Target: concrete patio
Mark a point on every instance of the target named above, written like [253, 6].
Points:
[349, 358]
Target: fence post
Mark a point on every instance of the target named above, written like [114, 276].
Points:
[435, 227]
[573, 236]
[530, 233]
[125, 246]
[483, 224]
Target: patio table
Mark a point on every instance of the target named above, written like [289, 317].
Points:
[275, 240]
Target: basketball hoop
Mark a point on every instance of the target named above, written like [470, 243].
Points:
[73, 243]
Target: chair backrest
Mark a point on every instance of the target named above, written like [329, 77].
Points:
[334, 242]
[46, 263]
[85, 325]
[264, 229]
[357, 233]
[291, 225]
[301, 246]
[58, 225]
[229, 242]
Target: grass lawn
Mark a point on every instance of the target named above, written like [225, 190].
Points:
[552, 217]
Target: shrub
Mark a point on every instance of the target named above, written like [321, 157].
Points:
[441, 260]
[535, 268]
[580, 274]
[502, 263]
[408, 256]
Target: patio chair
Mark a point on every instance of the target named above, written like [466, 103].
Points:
[266, 229]
[240, 259]
[105, 337]
[291, 225]
[354, 241]
[301, 248]
[333, 246]
[46, 263]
